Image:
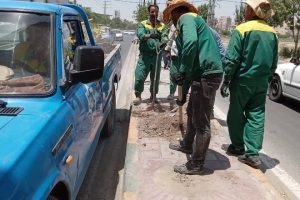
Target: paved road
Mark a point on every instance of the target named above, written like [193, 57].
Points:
[282, 133]
[103, 176]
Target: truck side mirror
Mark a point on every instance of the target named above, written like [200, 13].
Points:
[88, 64]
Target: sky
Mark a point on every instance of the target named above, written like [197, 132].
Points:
[126, 7]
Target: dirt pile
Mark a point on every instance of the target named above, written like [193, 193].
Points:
[160, 121]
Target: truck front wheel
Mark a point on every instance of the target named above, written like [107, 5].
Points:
[108, 128]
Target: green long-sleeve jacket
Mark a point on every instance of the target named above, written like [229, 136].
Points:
[150, 46]
[252, 53]
[197, 49]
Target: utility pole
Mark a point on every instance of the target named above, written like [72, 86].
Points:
[211, 13]
[105, 6]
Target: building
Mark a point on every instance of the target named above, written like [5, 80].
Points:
[224, 23]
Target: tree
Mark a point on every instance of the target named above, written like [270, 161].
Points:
[288, 11]
[141, 13]
[203, 11]
[239, 14]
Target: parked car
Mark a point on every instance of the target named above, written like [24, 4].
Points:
[129, 32]
[57, 96]
[286, 81]
[117, 34]
[106, 37]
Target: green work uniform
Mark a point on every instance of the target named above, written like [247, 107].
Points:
[150, 55]
[174, 67]
[251, 59]
[197, 56]
[200, 62]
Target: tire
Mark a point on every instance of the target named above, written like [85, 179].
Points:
[108, 128]
[275, 89]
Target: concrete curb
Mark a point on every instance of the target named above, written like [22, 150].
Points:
[125, 103]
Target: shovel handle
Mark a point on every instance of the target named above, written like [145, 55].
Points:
[180, 107]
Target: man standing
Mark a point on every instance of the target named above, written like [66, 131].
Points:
[200, 64]
[152, 35]
[251, 60]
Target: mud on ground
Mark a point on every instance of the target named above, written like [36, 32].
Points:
[162, 120]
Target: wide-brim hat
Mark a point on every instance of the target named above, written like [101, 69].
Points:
[262, 8]
[175, 4]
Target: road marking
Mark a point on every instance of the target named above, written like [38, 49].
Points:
[287, 183]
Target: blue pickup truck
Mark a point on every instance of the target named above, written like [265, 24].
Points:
[57, 95]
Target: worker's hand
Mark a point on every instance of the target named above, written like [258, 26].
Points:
[224, 89]
[178, 78]
[154, 36]
[168, 55]
[182, 101]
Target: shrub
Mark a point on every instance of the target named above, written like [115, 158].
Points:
[285, 52]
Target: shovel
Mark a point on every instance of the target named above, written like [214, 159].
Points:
[180, 119]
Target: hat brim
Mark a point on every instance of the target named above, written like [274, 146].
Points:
[172, 6]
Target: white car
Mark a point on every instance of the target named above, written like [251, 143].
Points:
[286, 81]
[117, 34]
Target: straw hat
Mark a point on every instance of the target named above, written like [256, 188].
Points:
[262, 8]
[175, 4]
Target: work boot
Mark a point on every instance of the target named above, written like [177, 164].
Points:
[179, 146]
[138, 99]
[235, 150]
[252, 161]
[151, 99]
[191, 168]
[170, 96]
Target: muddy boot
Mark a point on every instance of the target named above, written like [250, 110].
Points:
[191, 168]
[151, 98]
[138, 99]
[252, 161]
[179, 146]
[235, 150]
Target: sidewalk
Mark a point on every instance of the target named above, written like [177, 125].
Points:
[149, 162]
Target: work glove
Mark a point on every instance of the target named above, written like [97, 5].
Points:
[178, 78]
[224, 89]
[154, 36]
[182, 101]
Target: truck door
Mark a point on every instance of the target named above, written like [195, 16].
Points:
[88, 105]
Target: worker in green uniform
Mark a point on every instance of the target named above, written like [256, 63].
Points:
[251, 60]
[152, 35]
[201, 66]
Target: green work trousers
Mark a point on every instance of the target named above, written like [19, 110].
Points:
[147, 63]
[174, 68]
[246, 116]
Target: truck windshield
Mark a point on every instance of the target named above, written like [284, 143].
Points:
[26, 53]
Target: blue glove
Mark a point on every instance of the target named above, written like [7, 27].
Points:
[224, 89]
